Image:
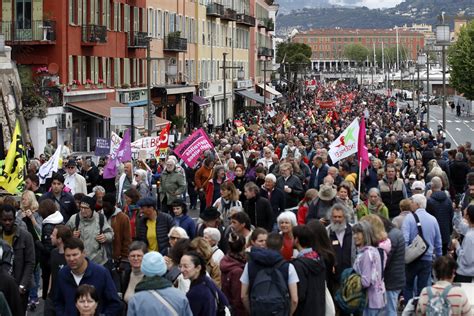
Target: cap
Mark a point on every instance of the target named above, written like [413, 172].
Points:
[418, 185]
[71, 163]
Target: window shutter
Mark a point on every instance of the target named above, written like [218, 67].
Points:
[70, 69]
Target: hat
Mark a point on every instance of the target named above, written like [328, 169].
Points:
[210, 213]
[148, 201]
[153, 264]
[412, 176]
[327, 192]
[418, 185]
[71, 163]
[90, 202]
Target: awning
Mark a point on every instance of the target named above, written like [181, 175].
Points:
[200, 100]
[270, 90]
[176, 89]
[99, 108]
[254, 96]
[159, 123]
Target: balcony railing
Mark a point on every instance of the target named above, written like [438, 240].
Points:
[34, 32]
[94, 34]
[137, 39]
[270, 25]
[215, 10]
[175, 44]
[262, 23]
[245, 19]
[229, 15]
[264, 51]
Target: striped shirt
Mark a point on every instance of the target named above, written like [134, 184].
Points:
[456, 296]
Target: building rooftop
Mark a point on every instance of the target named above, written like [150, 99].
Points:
[361, 32]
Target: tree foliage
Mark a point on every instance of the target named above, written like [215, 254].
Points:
[461, 61]
[356, 52]
[295, 56]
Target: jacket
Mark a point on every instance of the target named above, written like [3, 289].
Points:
[277, 200]
[9, 288]
[46, 246]
[96, 275]
[312, 275]
[202, 177]
[79, 186]
[24, 257]
[394, 273]
[164, 222]
[201, 296]
[173, 185]
[293, 198]
[232, 267]
[440, 206]
[345, 255]
[144, 301]
[186, 223]
[392, 194]
[369, 266]
[122, 236]
[67, 205]
[315, 182]
[320, 209]
[259, 258]
[90, 228]
[459, 171]
[260, 212]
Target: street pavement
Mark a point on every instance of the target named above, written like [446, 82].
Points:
[458, 129]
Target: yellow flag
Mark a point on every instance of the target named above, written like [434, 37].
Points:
[12, 178]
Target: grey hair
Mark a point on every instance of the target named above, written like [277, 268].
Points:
[141, 173]
[375, 190]
[459, 156]
[214, 233]
[341, 207]
[420, 200]
[436, 183]
[289, 216]
[368, 233]
[138, 245]
[98, 188]
[181, 232]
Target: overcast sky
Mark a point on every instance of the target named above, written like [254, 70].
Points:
[372, 4]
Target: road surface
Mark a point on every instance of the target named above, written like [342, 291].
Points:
[458, 129]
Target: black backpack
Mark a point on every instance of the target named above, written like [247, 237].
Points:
[101, 222]
[269, 294]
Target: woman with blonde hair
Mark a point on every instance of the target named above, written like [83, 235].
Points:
[229, 198]
[381, 235]
[203, 248]
[28, 214]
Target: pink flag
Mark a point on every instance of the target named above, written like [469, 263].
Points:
[121, 154]
[362, 153]
[193, 146]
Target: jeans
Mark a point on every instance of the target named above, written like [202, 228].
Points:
[33, 294]
[372, 311]
[392, 302]
[420, 269]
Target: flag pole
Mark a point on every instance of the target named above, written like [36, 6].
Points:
[217, 155]
[360, 179]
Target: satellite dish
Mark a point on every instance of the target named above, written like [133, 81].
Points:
[53, 68]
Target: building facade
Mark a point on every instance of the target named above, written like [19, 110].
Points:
[328, 44]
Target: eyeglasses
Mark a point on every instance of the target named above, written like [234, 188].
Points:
[71, 167]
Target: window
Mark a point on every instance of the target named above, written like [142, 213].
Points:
[73, 12]
[23, 14]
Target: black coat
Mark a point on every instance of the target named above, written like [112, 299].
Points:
[277, 200]
[67, 205]
[311, 294]
[394, 273]
[441, 207]
[294, 183]
[164, 222]
[9, 288]
[260, 212]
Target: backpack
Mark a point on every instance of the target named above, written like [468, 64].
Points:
[269, 293]
[101, 222]
[438, 304]
[351, 296]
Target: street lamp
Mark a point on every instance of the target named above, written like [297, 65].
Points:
[443, 37]
[240, 74]
[421, 61]
[411, 70]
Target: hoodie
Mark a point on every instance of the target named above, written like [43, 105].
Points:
[232, 267]
[312, 275]
[440, 206]
[45, 248]
[260, 258]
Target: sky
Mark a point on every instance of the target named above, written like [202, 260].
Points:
[372, 4]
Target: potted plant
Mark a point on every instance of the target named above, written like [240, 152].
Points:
[75, 84]
[88, 84]
[100, 84]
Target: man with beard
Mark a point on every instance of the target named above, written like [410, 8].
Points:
[340, 234]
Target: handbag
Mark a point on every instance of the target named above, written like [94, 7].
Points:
[418, 246]
[330, 308]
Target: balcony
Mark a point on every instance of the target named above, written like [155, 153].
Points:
[32, 33]
[262, 23]
[265, 52]
[245, 19]
[94, 34]
[270, 25]
[175, 44]
[215, 10]
[137, 39]
[229, 15]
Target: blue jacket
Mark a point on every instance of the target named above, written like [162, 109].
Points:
[67, 205]
[430, 230]
[96, 275]
[201, 299]
[440, 206]
[186, 223]
[323, 172]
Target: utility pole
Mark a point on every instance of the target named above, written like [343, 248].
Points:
[224, 68]
[148, 87]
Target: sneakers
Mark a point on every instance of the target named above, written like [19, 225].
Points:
[32, 303]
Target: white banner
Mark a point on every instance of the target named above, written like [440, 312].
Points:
[346, 144]
[46, 170]
[143, 148]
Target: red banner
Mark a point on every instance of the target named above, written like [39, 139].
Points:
[162, 145]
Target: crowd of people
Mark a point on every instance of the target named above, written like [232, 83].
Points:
[280, 229]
